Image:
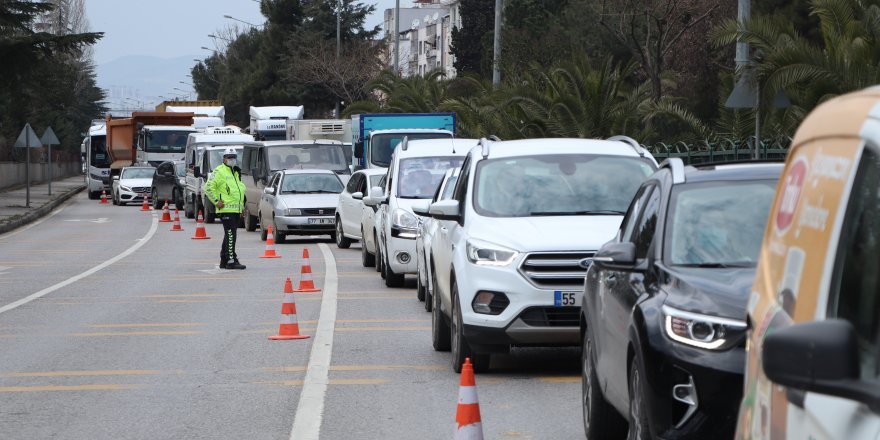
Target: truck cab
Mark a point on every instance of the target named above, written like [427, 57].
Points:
[196, 172]
[261, 159]
[270, 123]
[161, 143]
[374, 136]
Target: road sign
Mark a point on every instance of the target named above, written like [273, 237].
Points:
[28, 138]
[49, 137]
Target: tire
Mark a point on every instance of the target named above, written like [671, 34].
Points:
[154, 194]
[94, 195]
[190, 212]
[601, 420]
[210, 217]
[440, 332]
[367, 259]
[178, 200]
[113, 200]
[429, 291]
[638, 416]
[392, 279]
[250, 222]
[460, 348]
[420, 288]
[280, 238]
[378, 255]
[264, 234]
[381, 261]
[342, 242]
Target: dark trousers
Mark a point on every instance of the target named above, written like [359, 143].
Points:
[230, 233]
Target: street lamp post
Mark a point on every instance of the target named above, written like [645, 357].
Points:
[397, 37]
[242, 21]
[338, 45]
[496, 56]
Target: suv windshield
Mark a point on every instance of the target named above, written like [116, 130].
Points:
[382, 145]
[311, 184]
[718, 224]
[307, 157]
[167, 141]
[558, 184]
[98, 150]
[419, 177]
[138, 173]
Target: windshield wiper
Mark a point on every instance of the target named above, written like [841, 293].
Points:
[719, 265]
[319, 191]
[596, 212]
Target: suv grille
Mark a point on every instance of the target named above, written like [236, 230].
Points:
[319, 211]
[552, 270]
[551, 316]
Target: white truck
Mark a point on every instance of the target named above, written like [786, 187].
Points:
[197, 169]
[203, 116]
[270, 123]
[314, 129]
[96, 161]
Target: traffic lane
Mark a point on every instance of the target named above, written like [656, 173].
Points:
[205, 331]
[408, 390]
[80, 235]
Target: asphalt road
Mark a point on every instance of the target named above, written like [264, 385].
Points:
[114, 327]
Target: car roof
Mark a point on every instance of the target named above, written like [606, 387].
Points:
[527, 147]
[372, 171]
[308, 171]
[306, 142]
[138, 166]
[733, 171]
[435, 147]
[188, 128]
[841, 117]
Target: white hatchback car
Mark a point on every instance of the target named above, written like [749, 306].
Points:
[417, 168]
[427, 229]
[351, 205]
[370, 224]
[522, 216]
[300, 202]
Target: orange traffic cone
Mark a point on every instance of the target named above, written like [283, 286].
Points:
[146, 205]
[176, 226]
[200, 229]
[306, 284]
[468, 425]
[270, 245]
[103, 196]
[166, 214]
[289, 328]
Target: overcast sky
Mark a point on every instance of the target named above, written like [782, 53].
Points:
[173, 28]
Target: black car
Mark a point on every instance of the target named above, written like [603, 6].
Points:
[664, 306]
[168, 184]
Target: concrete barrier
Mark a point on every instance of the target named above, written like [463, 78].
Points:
[12, 174]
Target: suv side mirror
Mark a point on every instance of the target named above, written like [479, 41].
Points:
[445, 210]
[357, 195]
[377, 196]
[421, 209]
[819, 356]
[619, 256]
[269, 190]
[116, 177]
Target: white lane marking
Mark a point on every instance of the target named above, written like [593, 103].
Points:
[47, 217]
[310, 411]
[153, 226]
[97, 220]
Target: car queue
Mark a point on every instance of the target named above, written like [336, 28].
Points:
[719, 300]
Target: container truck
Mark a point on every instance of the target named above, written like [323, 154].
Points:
[330, 129]
[203, 116]
[374, 136]
[147, 138]
[270, 123]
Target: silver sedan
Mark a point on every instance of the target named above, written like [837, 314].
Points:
[300, 202]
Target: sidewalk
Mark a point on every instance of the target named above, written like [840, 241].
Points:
[14, 214]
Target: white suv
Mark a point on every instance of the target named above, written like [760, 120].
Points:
[416, 170]
[505, 259]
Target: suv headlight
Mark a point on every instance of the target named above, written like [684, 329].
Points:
[293, 211]
[484, 253]
[698, 330]
[404, 219]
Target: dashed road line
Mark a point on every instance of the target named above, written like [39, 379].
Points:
[91, 387]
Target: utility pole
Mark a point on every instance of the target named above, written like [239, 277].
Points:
[397, 37]
[496, 56]
[338, 44]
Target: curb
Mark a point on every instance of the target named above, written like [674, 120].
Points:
[35, 214]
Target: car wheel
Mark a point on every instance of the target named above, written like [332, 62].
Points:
[113, 200]
[94, 195]
[280, 238]
[429, 290]
[154, 194]
[439, 327]
[460, 348]
[420, 287]
[264, 233]
[178, 200]
[342, 242]
[378, 255]
[638, 416]
[601, 420]
[392, 279]
[367, 259]
[381, 263]
[189, 209]
[250, 222]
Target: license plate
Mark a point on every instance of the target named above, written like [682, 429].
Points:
[566, 299]
[322, 221]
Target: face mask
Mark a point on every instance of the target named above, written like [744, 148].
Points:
[231, 162]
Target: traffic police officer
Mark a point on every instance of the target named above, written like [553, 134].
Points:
[226, 191]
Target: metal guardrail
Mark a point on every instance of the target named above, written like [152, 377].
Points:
[725, 150]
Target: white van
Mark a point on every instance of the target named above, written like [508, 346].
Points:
[195, 147]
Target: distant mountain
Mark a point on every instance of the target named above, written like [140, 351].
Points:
[138, 81]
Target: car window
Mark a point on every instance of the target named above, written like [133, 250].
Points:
[138, 173]
[354, 183]
[855, 292]
[450, 186]
[460, 192]
[632, 214]
[643, 234]
[376, 180]
[419, 177]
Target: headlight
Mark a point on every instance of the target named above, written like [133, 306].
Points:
[488, 254]
[183, 180]
[698, 330]
[125, 188]
[293, 211]
[404, 219]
